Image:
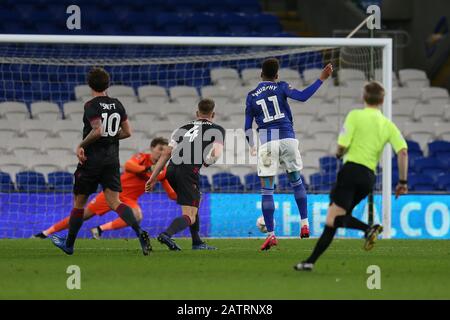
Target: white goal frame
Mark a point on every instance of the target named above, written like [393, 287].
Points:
[384, 43]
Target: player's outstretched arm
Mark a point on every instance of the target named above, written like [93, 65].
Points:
[309, 91]
[165, 156]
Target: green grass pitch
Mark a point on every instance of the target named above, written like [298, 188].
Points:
[115, 269]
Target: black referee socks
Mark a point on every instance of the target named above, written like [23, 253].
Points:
[322, 244]
[350, 222]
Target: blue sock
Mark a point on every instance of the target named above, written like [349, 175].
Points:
[268, 207]
[299, 194]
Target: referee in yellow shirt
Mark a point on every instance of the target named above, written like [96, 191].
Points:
[361, 143]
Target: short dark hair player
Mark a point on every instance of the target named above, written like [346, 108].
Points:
[105, 123]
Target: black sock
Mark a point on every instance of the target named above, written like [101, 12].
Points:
[350, 222]
[126, 213]
[178, 224]
[75, 223]
[195, 228]
[322, 244]
[100, 231]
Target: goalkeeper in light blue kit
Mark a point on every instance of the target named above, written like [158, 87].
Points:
[268, 106]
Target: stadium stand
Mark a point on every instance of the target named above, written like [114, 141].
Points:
[182, 17]
[252, 182]
[205, 186]
[30, 181]
[443, 182]
[6, 183]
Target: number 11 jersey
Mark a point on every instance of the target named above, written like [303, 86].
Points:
[268, 106]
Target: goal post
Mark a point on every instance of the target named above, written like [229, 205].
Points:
[387, 155]
[270, 45]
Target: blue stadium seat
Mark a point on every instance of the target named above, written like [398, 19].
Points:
[285, 185]
[247, 6]
[379, 182]
[188, 6]
[252, 182]
[219, 7]
[421, 183]
[16, 27]
[263, 19]
[25, 10]
[205, 23]
[265, 23]
[114, 29]
[168, 21]
[283, 182]
[234, 20]
[411, 162]
[143, 29]
[329, 164]
[60, 181]
[322, 182]
[57, 11]
[140, 17]
[239, 29]
[439, 149]
[414, 148]
[6, 184]
[205, 186]
[443, 182]
[269, 29]
[30, 181]
[227, 182]
[430, 166]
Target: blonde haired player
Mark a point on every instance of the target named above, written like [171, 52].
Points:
[361, 142]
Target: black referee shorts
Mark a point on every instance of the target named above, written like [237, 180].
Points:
[89, 175]
[185, 180]
[354, 183]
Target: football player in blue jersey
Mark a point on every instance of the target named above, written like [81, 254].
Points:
[268, 106]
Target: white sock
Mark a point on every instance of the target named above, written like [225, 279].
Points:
[305, 222]
[269, 234]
